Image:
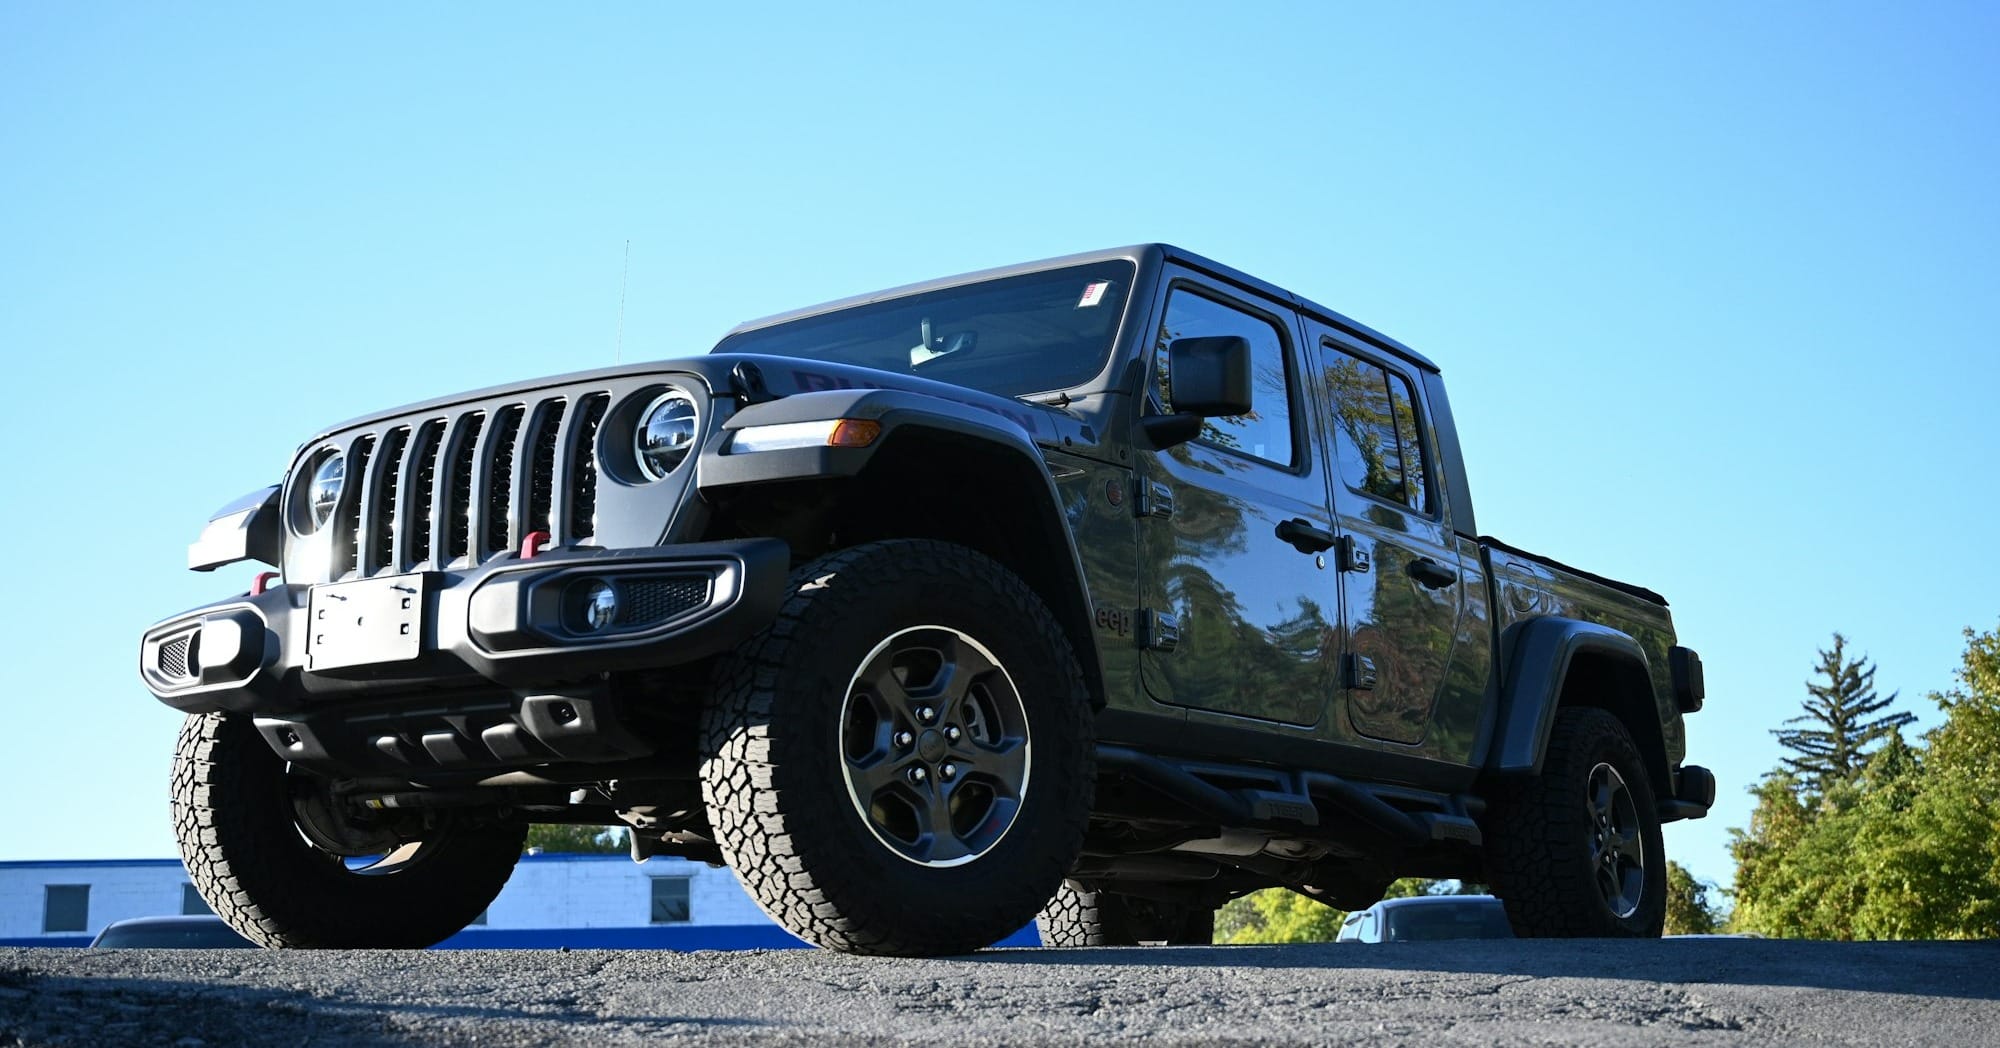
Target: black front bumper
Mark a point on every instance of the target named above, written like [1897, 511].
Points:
[500, 638]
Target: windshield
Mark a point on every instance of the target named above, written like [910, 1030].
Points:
[1012, 336]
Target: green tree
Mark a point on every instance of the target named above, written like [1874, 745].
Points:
[1277, 915]
[554, 838]
[1845, 709]
[1908, 848]
[1688, 909]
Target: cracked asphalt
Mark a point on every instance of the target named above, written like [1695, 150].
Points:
[1708, 991]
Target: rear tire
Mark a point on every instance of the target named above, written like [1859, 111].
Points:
[1576, 851]
[245, 854]
[1079, 917]
[902, 762]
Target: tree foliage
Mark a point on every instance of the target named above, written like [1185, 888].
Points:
[1845, 709]
[1908, 848]
[562, 838]
[1688, 909]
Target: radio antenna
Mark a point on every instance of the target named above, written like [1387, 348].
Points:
[618, 354]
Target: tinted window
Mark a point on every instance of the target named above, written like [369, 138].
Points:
[66, 907]
[1484, 919]
[173, 935]
[1012, 336]
[1266, 432]
[192, 902]
[670, 900]
[1377, 441]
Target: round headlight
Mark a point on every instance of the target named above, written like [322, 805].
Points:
[594, 604]
[666, 433]
[323, 490]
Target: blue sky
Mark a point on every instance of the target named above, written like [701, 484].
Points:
[1714, 286]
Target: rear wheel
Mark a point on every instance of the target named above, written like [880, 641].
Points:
[901, 763]
[1079, 916]
[1577, 851]
[247, 828]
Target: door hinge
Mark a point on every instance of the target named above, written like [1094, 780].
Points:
[1360, 672]
[1351, 555]
[1158, 631]
[1154, 499]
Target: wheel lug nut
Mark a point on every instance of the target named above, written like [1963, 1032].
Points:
[916, 775]
[951, 732]
[904, 738]
[926, 714]
[948, 772]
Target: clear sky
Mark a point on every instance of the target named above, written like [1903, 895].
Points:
[1713, 285]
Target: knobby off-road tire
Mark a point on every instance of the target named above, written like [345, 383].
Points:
[1566, 853]
[238, 835]
[811, 741]
[1078, 916]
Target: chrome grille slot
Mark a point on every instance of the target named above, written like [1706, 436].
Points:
[542, 467]
[581, 517]
[498, 498]
[382, 499]
[458, 523]
[347, 541]
[423, 493]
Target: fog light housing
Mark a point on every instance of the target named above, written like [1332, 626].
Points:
[593, 605]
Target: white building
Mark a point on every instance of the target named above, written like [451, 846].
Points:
[579, 901]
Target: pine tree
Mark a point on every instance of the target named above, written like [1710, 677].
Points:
[1844, 711]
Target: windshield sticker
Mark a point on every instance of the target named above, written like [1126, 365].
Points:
[1093, 293]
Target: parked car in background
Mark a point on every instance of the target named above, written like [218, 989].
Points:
[1426, 918]
[201, 932]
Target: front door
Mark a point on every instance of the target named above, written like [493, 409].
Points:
[1244, 623]
[1401, 609]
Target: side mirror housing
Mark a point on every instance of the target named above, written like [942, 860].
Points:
[1208, 376]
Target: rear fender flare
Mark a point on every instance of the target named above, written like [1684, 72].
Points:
[1537, 656]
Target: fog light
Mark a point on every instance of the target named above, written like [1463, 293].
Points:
[596, 604]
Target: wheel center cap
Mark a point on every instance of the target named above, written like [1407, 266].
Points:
[931, 746]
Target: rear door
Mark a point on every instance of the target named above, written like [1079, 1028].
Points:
[1403, 597]
[1242, 622]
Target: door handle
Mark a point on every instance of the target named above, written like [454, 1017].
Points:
[1304, 537]
[1431, 574]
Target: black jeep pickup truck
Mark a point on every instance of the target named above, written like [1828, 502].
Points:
[1108, 587]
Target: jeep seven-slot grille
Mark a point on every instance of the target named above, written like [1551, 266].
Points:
[452, 491]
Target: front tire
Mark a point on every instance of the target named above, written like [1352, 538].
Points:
[1576, 851]
[246, 853]
[902, 762]
[1079, 916]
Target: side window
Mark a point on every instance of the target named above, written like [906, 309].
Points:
[670, 901]
[1266, 432]
[1379, 445]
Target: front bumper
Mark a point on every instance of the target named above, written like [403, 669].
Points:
[491, 637]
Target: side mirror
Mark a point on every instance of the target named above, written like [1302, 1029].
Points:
[1207, 376]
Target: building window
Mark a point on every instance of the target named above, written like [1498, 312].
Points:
[66, 908]
[192, 902]
[1266, 432]
[1380, 450]
[670, 900]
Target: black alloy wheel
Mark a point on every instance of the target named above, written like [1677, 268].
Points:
[901, 763]
[935, 746]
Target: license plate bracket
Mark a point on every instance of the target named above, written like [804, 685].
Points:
[366, 622]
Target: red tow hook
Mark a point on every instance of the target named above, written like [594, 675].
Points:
[261, 583]
[532, 543]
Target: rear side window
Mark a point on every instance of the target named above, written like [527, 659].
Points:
[1377, 440]
[1266, 432]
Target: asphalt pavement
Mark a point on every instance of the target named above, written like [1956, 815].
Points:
[1708, 991]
